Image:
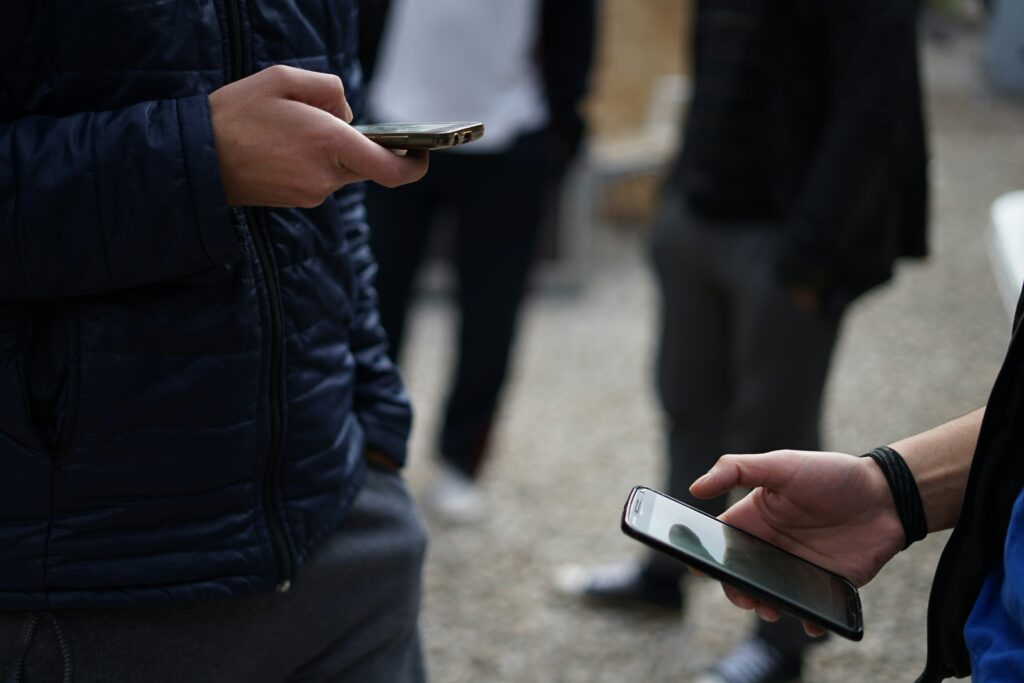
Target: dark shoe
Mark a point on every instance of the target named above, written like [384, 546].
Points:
[624, 585]
[754, 661]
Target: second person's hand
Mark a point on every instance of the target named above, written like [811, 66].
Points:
[283, 139]
[832, 509]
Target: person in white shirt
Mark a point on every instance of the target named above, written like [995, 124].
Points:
[521, 67]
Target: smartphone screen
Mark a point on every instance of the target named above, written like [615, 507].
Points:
[744, 561]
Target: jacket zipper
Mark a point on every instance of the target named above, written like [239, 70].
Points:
[260, 240]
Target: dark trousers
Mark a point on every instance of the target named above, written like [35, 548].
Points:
[496, 203]
[350, 617]
[740, 367]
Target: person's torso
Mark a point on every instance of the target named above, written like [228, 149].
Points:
[462, 60]
[978, 581]
[195, 437]
[726, 169]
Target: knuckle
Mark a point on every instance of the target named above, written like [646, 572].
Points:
[337, 83]
[278, 72]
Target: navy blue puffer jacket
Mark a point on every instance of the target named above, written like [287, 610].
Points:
[186, 390]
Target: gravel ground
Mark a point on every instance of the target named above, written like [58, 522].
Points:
[580, 427]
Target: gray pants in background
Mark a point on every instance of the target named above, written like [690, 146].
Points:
[350, 616]
[740, 368]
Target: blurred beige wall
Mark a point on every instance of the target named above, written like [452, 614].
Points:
[638, 40]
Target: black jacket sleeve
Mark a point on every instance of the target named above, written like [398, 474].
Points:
[862, 154]
[95, 202]
[381, 402]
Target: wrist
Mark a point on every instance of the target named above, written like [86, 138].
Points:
[807, 298]
[381, 460]
[941, 482]
[904, 492]
[882, 506]
[941, 461]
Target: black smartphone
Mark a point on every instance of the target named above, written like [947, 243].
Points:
[423, 135]
[737, 558]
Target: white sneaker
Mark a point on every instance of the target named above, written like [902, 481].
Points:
[455, 497]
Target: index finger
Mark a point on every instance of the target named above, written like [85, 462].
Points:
[320, 90]
[751, 470]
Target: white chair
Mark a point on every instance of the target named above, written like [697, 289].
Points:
[649, 148]
[643, 152]
[1006, 246]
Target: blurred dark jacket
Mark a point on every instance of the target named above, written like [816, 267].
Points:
[565, 50]
[186, 390]
[808, 114]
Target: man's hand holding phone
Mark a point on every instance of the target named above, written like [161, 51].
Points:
[283, 139]
[833, 509]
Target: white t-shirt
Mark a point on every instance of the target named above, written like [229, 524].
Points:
[462, 60]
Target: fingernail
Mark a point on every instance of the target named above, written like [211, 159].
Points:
[704, 476]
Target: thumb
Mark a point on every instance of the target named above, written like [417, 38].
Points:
[770, 470]
[320, 90]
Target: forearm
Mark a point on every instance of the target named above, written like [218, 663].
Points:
[940, 460]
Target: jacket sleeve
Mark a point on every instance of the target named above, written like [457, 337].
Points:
[567, 53]
[872, 71]
[381, 403]
[101, 201]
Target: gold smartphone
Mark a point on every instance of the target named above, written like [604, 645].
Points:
[423, 135]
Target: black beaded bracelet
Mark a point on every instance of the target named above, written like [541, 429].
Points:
[904, 492]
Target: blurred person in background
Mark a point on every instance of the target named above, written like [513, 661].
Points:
[800, 181]
[521, 67]
[200, 429]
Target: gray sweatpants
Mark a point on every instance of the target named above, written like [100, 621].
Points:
[350, 616]
[741, 368]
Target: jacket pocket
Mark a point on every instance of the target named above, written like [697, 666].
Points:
[16, 423]
[47, 371]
